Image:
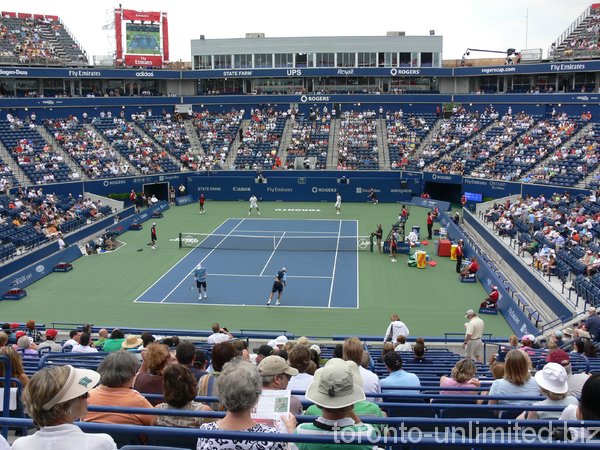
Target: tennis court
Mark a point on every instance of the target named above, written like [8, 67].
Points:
[242, 256]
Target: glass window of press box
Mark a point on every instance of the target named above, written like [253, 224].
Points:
[263, 60]
[222, 61]
[284, 60]
[325, 59]
[304, 60]
[242, 61]
[318, 59]
[346, 59]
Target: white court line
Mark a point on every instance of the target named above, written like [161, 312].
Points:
[357, 269]
[288, 232]
[337, 246]
[174, 265]
[238, 305]
[266, 276]
[272, 253]
[288, 220]
[203, 259]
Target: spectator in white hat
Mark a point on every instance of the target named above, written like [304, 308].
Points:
[552, 380]
[55, 398]
[335, 391]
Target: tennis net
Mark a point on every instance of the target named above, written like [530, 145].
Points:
[275, 242]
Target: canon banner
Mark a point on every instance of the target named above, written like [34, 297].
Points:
[146, 16]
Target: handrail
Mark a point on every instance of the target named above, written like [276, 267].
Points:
[384, 395]
[402, 435]
[304, 418]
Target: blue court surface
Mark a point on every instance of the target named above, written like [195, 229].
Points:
[242, 256]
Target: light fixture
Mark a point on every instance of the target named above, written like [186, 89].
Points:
[431, 32]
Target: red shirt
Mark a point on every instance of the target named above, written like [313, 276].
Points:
[201, 200]
[473, 267]
[494, 296]
[429, 220]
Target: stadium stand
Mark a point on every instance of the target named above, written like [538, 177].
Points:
[561, 233]
[32, 153]
[35, 39]
[405, 135]
[452, 133]
[87, 147]
[582, 41]
[260, 143]
[357, 141]
[310, 138]
[139, 150]
[216, 133]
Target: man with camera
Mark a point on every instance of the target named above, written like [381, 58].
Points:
[219, 335]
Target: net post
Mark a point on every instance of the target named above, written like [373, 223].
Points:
[180, 242]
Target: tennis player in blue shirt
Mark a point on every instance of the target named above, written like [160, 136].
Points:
[200, 277]
[280, 281]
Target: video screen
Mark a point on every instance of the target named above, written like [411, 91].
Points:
[142, 39]
[473, 197]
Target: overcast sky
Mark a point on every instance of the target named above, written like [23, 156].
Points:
[492, 25]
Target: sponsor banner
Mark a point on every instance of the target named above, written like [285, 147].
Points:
[184, 200]
[491, 188]
[291, 189]
[333, 98]
[33, 72]
[556, 67]
[146, 16]
[125, 185]
[123, 226]
[144, 60]
[108, 102]
[38, 270]
[442, 178]
[322, 72]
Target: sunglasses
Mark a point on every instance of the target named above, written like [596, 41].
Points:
[85, 396]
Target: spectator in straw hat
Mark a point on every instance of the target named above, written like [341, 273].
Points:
[132, 342]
